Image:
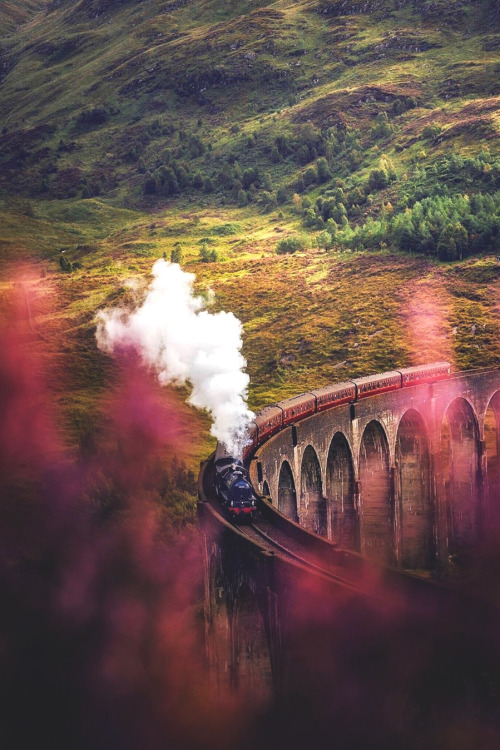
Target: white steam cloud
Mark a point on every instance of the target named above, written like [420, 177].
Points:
[185, 343]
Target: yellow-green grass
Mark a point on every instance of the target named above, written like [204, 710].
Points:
[309, 318]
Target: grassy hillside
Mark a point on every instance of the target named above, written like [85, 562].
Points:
[365, 132]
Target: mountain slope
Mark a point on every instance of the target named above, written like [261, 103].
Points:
[362, 136]
[99, 91]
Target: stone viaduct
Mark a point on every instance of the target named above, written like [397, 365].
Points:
[406, 478]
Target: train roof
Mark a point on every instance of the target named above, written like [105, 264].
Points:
[333, 387]
[378, 377]
[295, 399]
[268, 412]
[426, 368]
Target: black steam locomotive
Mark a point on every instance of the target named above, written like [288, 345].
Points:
[233, 486]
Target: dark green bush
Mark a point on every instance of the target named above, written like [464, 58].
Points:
[291, 244]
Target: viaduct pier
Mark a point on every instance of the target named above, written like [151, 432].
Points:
[354, 499]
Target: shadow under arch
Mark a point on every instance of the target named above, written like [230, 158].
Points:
[252, 663]
[460, 467]
[287, 497]
[376, 505]
[492, 447]
[265, 491]
[415, 510]
[343, 526]
[312, 503]
[219, 628]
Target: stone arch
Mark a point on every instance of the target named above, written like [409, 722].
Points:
[415, 510]
[492, 449]
[460, 466]
[219, 627]
[312, 502]
[377, 507]
[265, 490]
[287, 497]
[343, 518]
[253, 676]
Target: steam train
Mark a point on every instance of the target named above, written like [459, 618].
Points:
[233, 486]
[277, 416]
[232, 482]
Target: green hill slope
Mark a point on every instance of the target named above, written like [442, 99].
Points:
[98, 93]
[365, 132]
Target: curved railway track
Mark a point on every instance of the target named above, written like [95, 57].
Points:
[273, 534]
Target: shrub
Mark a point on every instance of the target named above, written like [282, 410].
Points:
[250, 177]
[66, 265]
[310, 218]
[281, 196]
[378, 179]
[291, 245]
[150, 185]
[208, 256]
[276, 157]
[323, 170]
[310, 176]
[325, 240]
[196, 147]
[381, 129]
[198, 180]
[176, 255]
[453, 242]
[91, 117]
[431, 131]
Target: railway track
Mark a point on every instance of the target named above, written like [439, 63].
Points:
[266, 535]
[274, 534]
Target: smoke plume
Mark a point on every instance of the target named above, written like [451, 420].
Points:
[185, 343]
